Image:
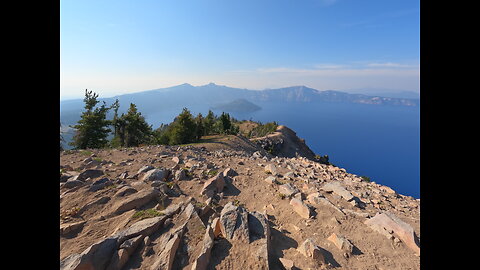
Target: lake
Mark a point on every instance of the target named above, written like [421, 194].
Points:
[381, 142]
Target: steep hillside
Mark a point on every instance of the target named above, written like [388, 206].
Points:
[225, 203]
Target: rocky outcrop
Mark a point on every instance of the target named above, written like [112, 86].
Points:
[285, 143]
[301, 214]
[388, 224]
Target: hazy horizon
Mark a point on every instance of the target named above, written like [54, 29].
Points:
[118, 47]
[81, 94]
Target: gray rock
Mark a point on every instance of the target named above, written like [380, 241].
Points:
[145, 168]
[156, 174]
[337, 188]
[181, 175]
[73, 183]
[143, 227]
[388, 222]
[288, 190]
[125, 191]
[271, 180]
[234, 223]
[270, 168]
[136, 200]
[96, 256]
[89, 174]
[203, 259]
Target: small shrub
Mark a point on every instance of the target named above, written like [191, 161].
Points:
[147, 213]
[365, 178]
[86, 153]
[212, 173]
[282, 196]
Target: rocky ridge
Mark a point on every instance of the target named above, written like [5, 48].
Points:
[211, 207]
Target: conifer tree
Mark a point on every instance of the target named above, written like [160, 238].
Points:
[136, 129]
[92, 129]
[209, 123]
[200, 128]
[183, 128]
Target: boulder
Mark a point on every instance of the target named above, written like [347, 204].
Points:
[155, 174]
[338, 189]
[181, 175]
[290, 175]
[229, 172]
[203, 259]
[72, 183]
[99, 184]
[124, 252]
[317, 199]
[271, 180]
[176, 160]
[165, 259]
[390, 223]
[96, 256]
[212, 185]
[69, 228]
[312, 251]
[136, 200]
[270, 168]
[287, 264]
[341, 243]
[234, 223]
[143, 227]
[145, 168]
[89, 174]
[288, 190]
[125, 191]
[301, 208]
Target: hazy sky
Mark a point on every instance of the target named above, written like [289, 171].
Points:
[119, 46]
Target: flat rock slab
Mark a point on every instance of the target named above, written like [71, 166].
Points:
[143, 227]
[341, 243]
[89, 174]
[234, 223]
[312, 251]
[338, 189]
[155, 174]
[300, 208]
[201, 262]
[288, 190]
[136, 200]
[403, 231]
[212, 185]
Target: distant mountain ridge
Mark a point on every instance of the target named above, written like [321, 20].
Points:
[210, 95]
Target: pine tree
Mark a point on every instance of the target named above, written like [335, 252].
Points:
[92, 129]
[209, 123]
[136, 129]
[183, 128]
[225, 123]
[200, 128]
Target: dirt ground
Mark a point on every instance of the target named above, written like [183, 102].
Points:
[249, 189]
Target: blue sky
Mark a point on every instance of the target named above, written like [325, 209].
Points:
[120, 46]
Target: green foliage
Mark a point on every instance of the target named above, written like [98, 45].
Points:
[148, 213]
[263, 129]
[131, 129]
[209, 123]
[92, 129]
[182, 129]
[365, 178]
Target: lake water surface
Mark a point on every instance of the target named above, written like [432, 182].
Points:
[381, 142]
